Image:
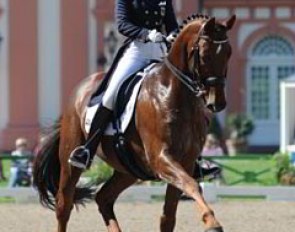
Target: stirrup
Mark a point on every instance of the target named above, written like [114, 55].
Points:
[77, 163]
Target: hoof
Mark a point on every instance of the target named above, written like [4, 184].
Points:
[217, 229]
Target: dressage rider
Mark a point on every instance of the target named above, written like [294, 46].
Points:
[145, 23]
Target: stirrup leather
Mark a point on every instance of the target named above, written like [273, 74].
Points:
[76, 153]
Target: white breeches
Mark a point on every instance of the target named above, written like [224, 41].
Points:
[136, 56]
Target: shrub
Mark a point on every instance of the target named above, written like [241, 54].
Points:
[99, 172]
[284, 169]
[239, 125]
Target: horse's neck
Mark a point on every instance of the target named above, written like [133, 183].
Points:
[178, 54]
[182, 113]
[178, 57]
[178, 98]
[187, 100]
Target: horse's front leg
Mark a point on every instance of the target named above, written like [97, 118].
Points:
[168, 218]
[172, 172]
[107, 196]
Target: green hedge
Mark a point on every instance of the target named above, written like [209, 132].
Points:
[248, 169]
[99, 172]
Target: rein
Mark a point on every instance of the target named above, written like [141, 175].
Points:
[196, 85]
[193, 85]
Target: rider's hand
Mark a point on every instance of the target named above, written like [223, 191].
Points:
[171, 38]
[155, 36]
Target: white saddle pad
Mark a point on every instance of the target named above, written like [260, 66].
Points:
[125, 118]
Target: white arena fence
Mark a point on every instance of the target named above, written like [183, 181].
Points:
[212, 193]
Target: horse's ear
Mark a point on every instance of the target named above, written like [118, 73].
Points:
[209, 26]
[230, 22]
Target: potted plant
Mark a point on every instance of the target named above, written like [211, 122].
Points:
[240, 127]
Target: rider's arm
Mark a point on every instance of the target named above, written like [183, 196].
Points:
[125, 25]
[170, 18]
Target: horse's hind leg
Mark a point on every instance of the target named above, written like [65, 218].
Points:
[168, 218]
[65, 197]
[107, 196]
[71, 137]
[172, 172]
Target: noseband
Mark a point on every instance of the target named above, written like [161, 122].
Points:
[197, 84]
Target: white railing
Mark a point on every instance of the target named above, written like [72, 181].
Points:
[212, 193]
[20, 194]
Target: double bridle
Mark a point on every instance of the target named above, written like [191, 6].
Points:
[195, 83]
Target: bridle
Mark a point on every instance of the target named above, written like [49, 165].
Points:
[196, 84]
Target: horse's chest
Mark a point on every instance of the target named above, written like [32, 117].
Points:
[188, 136]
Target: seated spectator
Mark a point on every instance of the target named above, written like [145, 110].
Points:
[20, 169]
[212, 147]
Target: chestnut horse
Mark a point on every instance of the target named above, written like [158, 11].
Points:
[166, 136]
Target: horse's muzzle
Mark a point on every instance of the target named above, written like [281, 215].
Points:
[216, 107]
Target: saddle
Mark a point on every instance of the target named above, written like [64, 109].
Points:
[122, 117]
[121, 145]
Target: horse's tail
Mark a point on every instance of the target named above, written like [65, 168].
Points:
[46, 169]
[46, 172]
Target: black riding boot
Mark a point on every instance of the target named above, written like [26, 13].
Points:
[83, 155]
[208, 172]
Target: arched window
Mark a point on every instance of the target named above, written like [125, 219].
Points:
[270, 60]
[273, 45]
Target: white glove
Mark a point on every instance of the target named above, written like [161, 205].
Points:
[155, 36]
[171, 38]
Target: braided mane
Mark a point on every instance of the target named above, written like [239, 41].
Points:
[187, 21]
